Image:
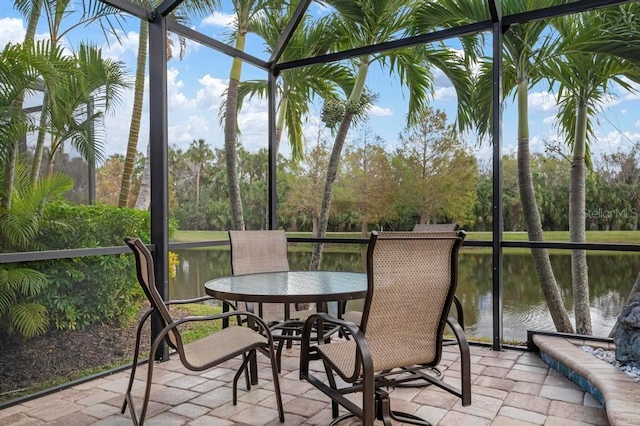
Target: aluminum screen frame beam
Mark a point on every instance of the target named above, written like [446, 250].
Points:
[215, 44]
[129, 7]
[389, 45]
[561, 10]
[158, 156]
[498, 222]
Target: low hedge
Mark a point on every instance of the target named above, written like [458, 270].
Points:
[85, 290]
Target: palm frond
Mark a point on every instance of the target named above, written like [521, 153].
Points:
[28, 319]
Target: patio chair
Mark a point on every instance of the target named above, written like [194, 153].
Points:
[412, 278]
[356, 316]
[266, 251]
[201, 354]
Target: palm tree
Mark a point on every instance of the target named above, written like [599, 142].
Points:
[368, 22]
[583, 80]
[56, 11]
[198, 6]
[24, 69]
[246, 11]
[97, 80]
[297, 87]
[523, 53]
[198, 154]
[31, 11]
[136, 115]
[19, 226]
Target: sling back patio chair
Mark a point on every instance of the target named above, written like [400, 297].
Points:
[356, 316]
[266, 251]
[411, 278]
[201, 354]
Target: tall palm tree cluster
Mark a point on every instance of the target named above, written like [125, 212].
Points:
[580, 58]
[78, 87]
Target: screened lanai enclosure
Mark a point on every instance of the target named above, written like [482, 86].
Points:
[330, 119]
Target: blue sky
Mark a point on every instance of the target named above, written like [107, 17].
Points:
[197, 82]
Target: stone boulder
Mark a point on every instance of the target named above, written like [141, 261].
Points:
[626, 334]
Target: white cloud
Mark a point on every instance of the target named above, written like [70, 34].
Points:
[608, 101]
[175, 97]
[543, 102]
[440, 79]
[445, 94]
[614, 141]
[637, 124]
[11, 31]
[378, 111]
[550, 120]
[219, 19]
[118, 47]
[210, 96]
[624, 111]
[193, 128]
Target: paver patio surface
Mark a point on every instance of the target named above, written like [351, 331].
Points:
[509, 388]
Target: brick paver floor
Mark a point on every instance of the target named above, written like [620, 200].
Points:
[509, 388]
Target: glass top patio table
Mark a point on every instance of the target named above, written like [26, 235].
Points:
[292, 287]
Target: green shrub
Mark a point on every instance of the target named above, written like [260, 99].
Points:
[85, 290]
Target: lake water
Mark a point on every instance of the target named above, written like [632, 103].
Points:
[611, 276]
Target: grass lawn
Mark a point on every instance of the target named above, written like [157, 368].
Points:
[624, 237]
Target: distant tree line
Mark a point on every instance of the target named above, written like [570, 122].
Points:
[434, 179]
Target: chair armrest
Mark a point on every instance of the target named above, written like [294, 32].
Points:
[262, 325]
[363, 354]
[351, 327]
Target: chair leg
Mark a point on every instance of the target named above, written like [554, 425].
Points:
[279, 355]
[276, 382]
[243, 368]
[335, 408]
[136, 352]
[247, 378]
[147, 391]
[384, 412]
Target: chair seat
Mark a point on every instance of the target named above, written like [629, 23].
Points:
[387, 357]
[218, 346]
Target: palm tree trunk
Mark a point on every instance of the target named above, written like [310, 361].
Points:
[136, 114]
[198, 187]
[144, 194]
[53, 151]
[334, 161]
[37, 153]
[332, 171]
[577, 234]
[282, 111]
[531, 215]
[230, 133]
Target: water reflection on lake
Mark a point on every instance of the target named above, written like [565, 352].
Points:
[611, 276]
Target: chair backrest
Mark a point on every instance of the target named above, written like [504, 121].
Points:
[258, 251]
[146, 279]
[412, 278]
[435, 227]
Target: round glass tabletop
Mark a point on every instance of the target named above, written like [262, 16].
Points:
[292, 286]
